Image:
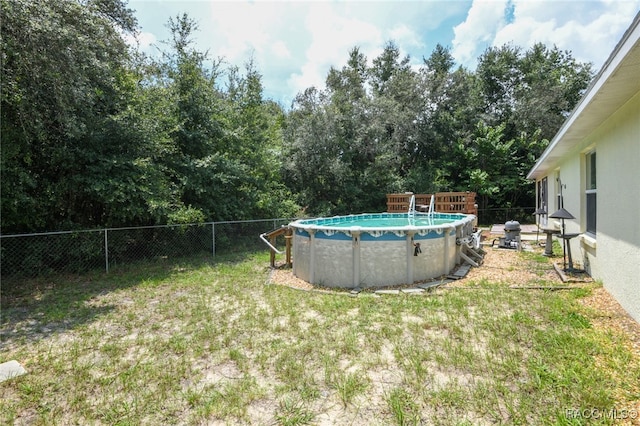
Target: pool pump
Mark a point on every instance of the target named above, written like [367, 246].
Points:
[511, 239]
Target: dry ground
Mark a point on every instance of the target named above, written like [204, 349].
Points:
[507, 266]
[241, 352]
[515, 269]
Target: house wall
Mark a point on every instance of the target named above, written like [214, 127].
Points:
[613, 255]
[618, 205]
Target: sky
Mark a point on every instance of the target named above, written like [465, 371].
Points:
[293, 44]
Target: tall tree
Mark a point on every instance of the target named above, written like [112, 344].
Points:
[197, 164]
[552, 83]
[484, 163]
[441, 128]
[311, 152]
[226, 140]
[529, 94]
[64, 76]
[386, 67]
[344, 142]
[532, 90]
[448, 106]
[254, 137]
[499, 77]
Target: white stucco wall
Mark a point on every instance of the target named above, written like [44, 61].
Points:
[613, 256]
[618, 217]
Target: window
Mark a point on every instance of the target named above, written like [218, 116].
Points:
[559, 186]
[590, 192]
[543, 199]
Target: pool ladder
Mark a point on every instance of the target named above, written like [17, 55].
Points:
[412, 207]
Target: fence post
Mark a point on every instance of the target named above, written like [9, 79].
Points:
[213, 239]
[106, 251]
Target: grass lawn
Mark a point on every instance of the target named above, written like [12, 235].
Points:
[212, 343]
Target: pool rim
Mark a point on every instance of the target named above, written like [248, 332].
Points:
[462, 219]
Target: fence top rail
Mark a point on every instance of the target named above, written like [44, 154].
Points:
[126, 228]
[36, 234]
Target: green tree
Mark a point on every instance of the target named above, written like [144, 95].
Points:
[387, 127]
[495, 167]
[365, 128]
[552, 84]
[529, 94]
[310, 152]
[481, 160]
[448, 114]
[64, 78]
[346, 145]
[196, 164]
[226, 160]
[254, 137]
[498, 77]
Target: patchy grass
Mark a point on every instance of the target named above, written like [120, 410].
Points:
[206, 342]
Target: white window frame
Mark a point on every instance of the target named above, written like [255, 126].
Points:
[590, 191]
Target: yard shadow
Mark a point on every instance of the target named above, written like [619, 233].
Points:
[35, 308]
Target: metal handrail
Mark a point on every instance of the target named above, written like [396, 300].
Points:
[431, 205]
[262, 237]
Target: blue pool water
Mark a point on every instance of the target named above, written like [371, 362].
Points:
[384, 220]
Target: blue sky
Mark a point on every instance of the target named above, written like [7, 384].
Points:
[294, 43]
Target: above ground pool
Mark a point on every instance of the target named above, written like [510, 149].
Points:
[378, 250]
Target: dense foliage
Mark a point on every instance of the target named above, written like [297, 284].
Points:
[94, 133]
[389, 127]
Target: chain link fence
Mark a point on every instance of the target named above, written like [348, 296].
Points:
[29, 255]
[501, 215]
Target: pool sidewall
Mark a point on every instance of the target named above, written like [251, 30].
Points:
[356, 256]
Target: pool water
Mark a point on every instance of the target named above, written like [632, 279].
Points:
[392, 222]
[384, 220]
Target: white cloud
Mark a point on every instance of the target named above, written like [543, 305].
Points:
[589, 33]
[280, 50]
[294, 43]
[589, 29]
[332, 35]
[406, 36]
[238, 29]
[142, 40]
[484, 20]
[272, 34]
